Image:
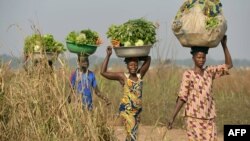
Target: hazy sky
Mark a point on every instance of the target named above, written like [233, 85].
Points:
[59, 17]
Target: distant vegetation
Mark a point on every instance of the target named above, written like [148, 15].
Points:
[95, 60]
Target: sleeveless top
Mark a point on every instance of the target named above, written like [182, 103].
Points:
[132, 95]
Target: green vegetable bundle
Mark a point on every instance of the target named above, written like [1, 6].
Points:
[136, 32]
[42, 43]
[84, 37]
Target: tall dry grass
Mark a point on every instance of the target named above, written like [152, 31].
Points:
[34, 105]
[232, 97]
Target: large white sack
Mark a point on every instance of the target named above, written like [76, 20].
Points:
[190, 27]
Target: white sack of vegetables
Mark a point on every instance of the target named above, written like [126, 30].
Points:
[200, 23]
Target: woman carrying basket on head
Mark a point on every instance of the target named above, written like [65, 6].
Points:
[131, 102]
[196, 93]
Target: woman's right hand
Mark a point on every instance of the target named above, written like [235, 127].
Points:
[109, 50]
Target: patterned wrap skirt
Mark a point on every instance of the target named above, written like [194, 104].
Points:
[201, 129]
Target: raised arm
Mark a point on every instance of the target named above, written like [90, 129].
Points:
[228, 59]
[145, 65]
[110, 75]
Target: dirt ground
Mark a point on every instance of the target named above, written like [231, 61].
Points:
[150, 133]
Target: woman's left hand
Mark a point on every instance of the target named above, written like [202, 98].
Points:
[224, 41]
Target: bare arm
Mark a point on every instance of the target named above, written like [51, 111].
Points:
[228, 59]
[110, 75]
[178, 107]
[145, 65]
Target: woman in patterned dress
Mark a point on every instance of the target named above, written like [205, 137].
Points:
[131, 102]
[196, 92]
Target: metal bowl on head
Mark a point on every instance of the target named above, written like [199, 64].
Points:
[133, 51]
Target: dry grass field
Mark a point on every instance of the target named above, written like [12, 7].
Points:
[33, 105]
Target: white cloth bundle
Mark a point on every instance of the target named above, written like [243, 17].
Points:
[193, 24]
